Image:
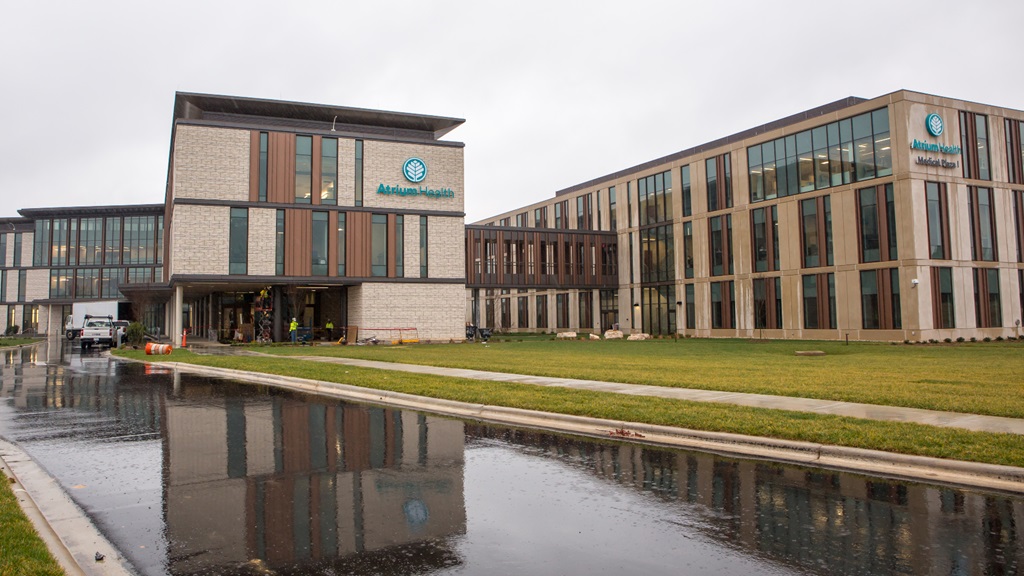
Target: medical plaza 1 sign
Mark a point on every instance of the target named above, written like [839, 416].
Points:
[415, 171]
[935, 126]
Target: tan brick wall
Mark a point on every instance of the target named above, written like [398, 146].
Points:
[200, 240]
[37, 284]
[26, 248]
[412, 246]
[262, 241]
[382, 164]
[211, 163]
[446, 249]
[435, 310]
[346, 172]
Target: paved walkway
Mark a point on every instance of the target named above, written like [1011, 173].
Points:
[868, 411]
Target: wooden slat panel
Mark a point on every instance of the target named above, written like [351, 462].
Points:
[254, 166]
[298, 243]
[358, 244]
[315, 171]
[281, 168]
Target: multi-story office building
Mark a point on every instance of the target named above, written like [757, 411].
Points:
[273, 210]
[895, 218]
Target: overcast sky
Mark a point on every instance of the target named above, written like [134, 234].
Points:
[553, 93]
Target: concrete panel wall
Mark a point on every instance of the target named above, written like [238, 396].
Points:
[211, 163]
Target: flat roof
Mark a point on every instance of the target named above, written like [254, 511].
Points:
[195, 106]
[116, 210]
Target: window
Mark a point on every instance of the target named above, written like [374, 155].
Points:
[303, 169]
[359, 173]
[586, 305]
[329, 171]
[379, 245]
[3, 285]
[540, 217]
[584, 215]
[238, 242]
[29, 318]
[768, 303]
[90, 245]
[110, 280]
[1018, 218]
[943, 315]
[657, 261]
[3, 253]
[880, 299]
[424, 244]
[1014, 150]
[400, 247]
[686, 191]
[16, 260]
[719, 182]
[654, 197]
[974, 141]
[613, 211]
[61, 282]
[987, 306]
[609, 259]
[981, 215]
[279, 244]
[562, 215]
[816, 231]
[850, 150]
[688, 249]
[938, 220]
[876, 217]
[542, 312]
[319, 247]
[691, 308]
[112, 242]
[629, 204]
[658, 309]
[22, 284]
[723, 305]
[506, 312]
[523, 312]
[59, 244]
[139, 240]
[522, 219]
[765, 234]
[609, 309]
[87, 283]
[40, 245]
[562, 310]
[263, 167]
[720, 231]
[819, 298]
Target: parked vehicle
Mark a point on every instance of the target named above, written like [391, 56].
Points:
[98, 331]
[75, 321]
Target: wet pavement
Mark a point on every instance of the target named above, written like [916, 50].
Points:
[196, 475]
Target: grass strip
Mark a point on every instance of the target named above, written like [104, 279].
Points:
[897, 437]
[22, 551]
[981, 378]
[10, 341]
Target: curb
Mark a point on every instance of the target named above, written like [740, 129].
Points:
[69, 534]
[857, 460]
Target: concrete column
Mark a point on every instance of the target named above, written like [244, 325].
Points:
[176, 311]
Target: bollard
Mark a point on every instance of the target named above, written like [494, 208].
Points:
[184, 338]
[153, 349]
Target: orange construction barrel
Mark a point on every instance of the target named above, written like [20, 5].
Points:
[154, 349]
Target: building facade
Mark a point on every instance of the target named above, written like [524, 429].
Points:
[895, 218]
[273, 210]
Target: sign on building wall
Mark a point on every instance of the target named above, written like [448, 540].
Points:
[948, 155]
[415, 171]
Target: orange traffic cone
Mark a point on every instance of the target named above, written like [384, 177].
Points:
[184, 338]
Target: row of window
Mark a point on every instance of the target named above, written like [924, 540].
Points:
[111, 241]
[327, 176]
[381, 242]
[540, 258]
[879, 299]
[88, 283]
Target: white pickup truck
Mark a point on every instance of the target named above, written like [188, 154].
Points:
[98, 331]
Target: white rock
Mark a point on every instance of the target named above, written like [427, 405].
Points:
[613, 334]
[595, 337]
[566, 335]
[639, 337]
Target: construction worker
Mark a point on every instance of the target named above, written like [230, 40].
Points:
[330, 329]
[293, 329]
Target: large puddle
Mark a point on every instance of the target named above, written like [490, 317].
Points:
[192, 475]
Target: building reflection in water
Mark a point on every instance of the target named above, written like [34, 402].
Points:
[807, 519]
[290, 484]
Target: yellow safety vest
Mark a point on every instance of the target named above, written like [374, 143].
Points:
[294, 326]
[330, 326]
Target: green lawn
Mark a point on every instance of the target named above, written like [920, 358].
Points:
[7, 341]
[983, 378]
[897, 437]
[21, 549]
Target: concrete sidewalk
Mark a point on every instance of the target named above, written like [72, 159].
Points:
[868, 411]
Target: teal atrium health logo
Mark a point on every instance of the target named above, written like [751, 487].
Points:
[934, 124]
[415, 170]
